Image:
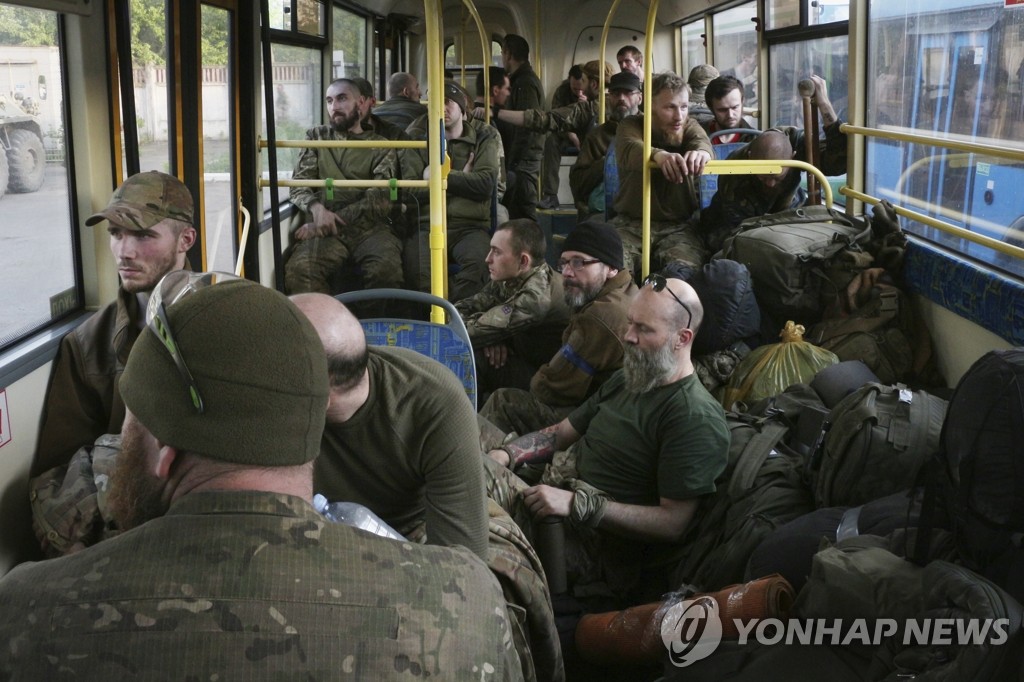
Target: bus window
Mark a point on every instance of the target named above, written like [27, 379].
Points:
[349, 44]
[736, 49]
[37, 270]
[298, 103]
[219, 175]
[793, 62]
[148, 20]
[692, 37]
[953, 70]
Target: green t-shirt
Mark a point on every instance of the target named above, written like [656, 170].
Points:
[669, 442]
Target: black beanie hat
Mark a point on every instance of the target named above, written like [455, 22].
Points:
[259, 366]
[597, 240]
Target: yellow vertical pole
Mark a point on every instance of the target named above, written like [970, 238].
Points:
[652, 15]
[604, 49]
[436, 152]
[485, 55]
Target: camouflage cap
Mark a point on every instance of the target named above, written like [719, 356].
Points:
[145, 199]
[701, 75]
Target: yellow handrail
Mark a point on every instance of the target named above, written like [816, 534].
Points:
[932, 141]
[960, 232]
[767, 167]
[485, 56]
[604, 49]
[347, 144]
[318, 183]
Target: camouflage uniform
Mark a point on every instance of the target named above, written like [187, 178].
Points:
[743, 196]
[554, 143]
[672, 235]
[527, 313]
[468, 204]
[591, 351]
[505, 309]
[524, 148]
[253, 585]
[368, 236]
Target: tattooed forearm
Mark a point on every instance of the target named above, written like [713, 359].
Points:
[533, 447]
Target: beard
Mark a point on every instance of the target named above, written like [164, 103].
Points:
[646, 370]
[578, 295]
[344, 122]
[136, 496]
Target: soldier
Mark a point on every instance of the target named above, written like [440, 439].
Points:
[698, 80]
[516, 321]
[633, 462]
[746, 196]
[524, 149]
[403, 104]
[344, 223]
[401, 439]
[680, 150]
[587, 174]
[573, 89]
[224, 568]
[597, 290]
[631, 59]
[150, 226]
[725, 98]
[473, 148]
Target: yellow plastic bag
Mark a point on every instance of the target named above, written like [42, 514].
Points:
[772, 368]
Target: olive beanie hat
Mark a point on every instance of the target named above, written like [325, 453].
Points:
[259, 366]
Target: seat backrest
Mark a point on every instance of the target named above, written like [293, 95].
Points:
[611, 180]
[448, 343]
[709, 183]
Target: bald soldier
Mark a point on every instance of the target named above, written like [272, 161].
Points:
[401, 435]
[747, 196]
[224, 570]
[631, 465]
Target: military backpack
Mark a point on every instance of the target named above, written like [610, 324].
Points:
[800, 259]
[878, 439]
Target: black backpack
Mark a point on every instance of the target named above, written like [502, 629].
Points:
[878, 440]
[982, 456]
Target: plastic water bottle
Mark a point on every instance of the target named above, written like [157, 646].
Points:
[353, 514]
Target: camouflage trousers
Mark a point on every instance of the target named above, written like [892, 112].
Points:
[513, 409]
[669, 242]
[519, 571]
[315, 263]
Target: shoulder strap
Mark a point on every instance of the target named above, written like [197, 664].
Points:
[757, 450]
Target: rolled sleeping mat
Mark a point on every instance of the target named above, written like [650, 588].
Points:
[634, 634]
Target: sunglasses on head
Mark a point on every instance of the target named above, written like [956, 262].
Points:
[660, 283]
[172, 288]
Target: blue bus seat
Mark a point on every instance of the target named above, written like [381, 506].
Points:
[448, 343]
[709, 183]
[611, 181]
